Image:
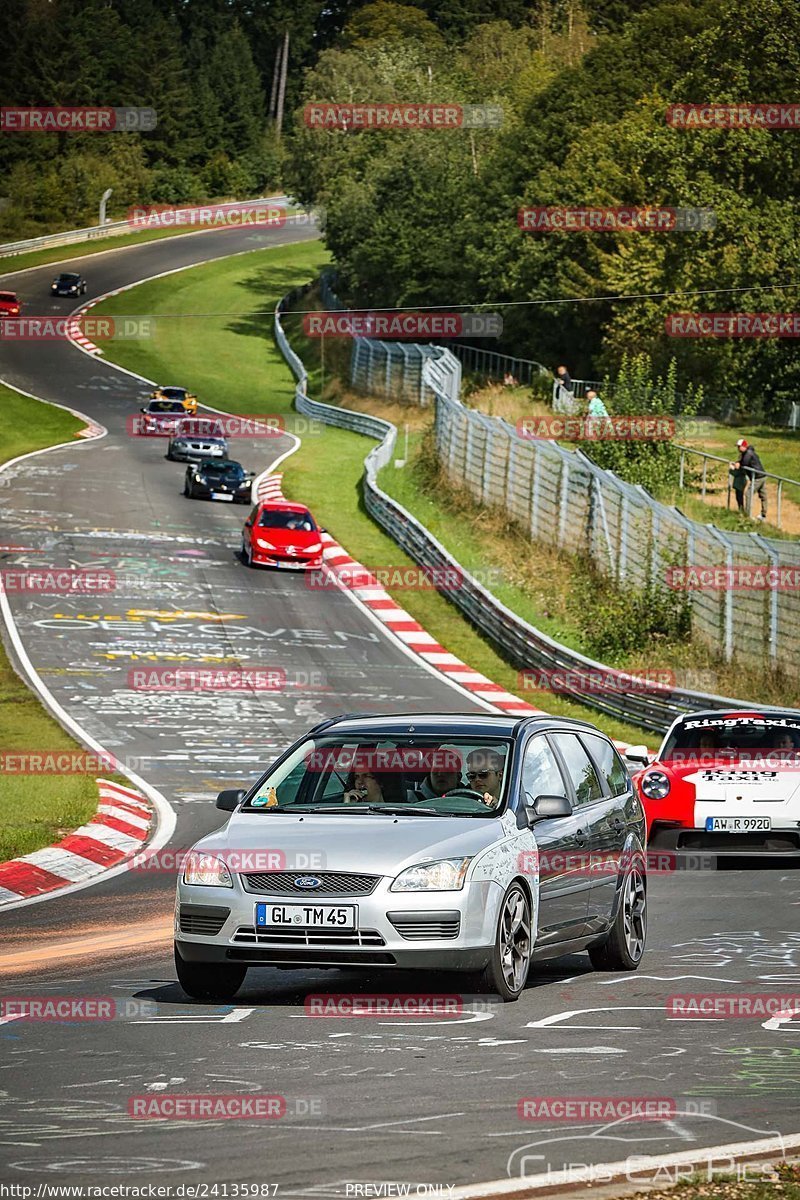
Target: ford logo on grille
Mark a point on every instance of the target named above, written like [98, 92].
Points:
[307, 882]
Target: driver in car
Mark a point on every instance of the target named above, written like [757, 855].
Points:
[485, 774]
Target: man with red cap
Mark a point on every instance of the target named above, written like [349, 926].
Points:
[752, 468]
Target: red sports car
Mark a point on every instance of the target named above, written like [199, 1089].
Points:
[726, 782]
[280, 534]
[9, 305]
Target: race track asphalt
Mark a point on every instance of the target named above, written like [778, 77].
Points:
[370, 1100]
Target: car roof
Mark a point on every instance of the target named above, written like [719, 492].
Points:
[743, 710]
[451, 724]
[283, 506]
[5, 294]
[68, 275]
[220, 462]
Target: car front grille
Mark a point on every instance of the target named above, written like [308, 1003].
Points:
[249, 935]
[202, 919]
[334, 883]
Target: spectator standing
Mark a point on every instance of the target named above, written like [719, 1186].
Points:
[594, 405]
[753, 469]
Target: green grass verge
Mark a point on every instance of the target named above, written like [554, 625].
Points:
[35, 810]
[232, 363]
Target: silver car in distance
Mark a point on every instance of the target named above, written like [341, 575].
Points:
[465, 842]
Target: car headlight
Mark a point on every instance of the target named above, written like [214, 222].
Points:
[655, 785]
[447, 875]
[204, 870]
[179, 442]
[73, 288]
[261, 541]
[315, 549]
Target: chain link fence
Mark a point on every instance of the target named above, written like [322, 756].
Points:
[561, 499]
[652, 708]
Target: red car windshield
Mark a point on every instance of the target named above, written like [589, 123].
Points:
[286, 519]
[744, 736]
[8, 298]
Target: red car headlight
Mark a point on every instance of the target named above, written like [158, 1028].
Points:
[655, 785]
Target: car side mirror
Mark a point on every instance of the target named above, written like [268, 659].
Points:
[638, 755]
[230, 799]
[545, 807]
[144, 410]
[248, 524]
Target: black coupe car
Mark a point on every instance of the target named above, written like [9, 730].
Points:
[213, 479]
[68, 283]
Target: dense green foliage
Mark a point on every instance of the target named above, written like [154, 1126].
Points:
[431, 217]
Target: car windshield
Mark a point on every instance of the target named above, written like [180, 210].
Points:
[173, 393]
[226, 470]
[165, 406]
[286, 519]
[200, 429]
[8, 296]
[68, 278]
[749, 736]
[424, 776]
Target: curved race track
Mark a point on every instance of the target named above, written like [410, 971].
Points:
[374, 1101]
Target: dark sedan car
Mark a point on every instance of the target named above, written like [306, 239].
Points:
[68, 283]
[215, 480]
[447, 841]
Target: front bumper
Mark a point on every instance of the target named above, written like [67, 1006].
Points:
[297, 562]
[690, 840]
[392, 929]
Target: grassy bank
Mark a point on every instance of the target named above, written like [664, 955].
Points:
[35, 810]
[233, 363]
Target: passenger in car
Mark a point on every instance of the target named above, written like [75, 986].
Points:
[373, 787]
[485, 774]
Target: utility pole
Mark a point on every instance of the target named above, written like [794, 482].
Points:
[103, 202]
[282, 84]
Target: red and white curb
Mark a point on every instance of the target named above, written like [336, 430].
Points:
[268, 489]
[118, 830]
[357, 579]
[75, 330]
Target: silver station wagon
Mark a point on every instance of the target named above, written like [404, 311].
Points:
[437, 842]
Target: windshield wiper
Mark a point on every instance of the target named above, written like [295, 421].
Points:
[394, 812]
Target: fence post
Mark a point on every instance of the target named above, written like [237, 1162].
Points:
[727, 640]
[562, 516]
[774, 560]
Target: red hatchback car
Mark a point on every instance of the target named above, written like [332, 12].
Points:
[279, 534]
[9, 305]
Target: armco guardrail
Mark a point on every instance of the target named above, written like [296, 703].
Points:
[521, 643]
[110, 229]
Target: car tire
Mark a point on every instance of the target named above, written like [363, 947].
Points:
[622, 950]
[247, 555]
[209, 981]
[506, 973]
[188, 490]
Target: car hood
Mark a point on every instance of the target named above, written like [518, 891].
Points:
[373, 844]
[288, 537]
